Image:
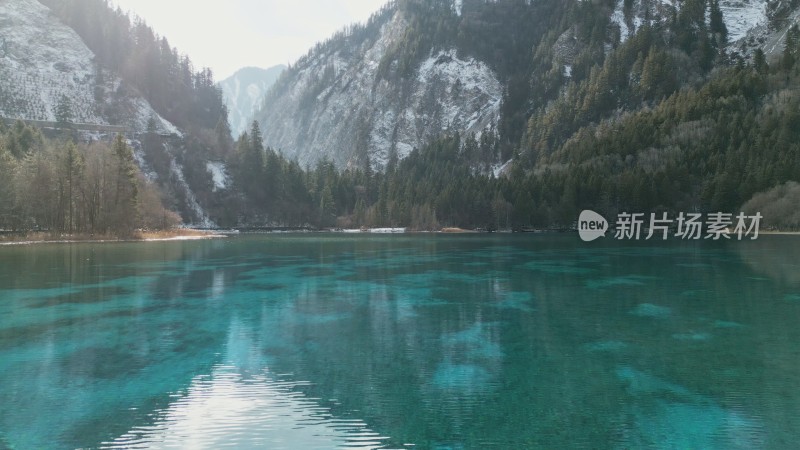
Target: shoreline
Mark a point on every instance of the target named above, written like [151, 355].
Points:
[188, 234]
[183, 234]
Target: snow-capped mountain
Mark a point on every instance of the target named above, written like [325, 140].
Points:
[334, 103]
[243, 93]
[44, 63]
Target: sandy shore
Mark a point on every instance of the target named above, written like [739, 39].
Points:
[456, 230]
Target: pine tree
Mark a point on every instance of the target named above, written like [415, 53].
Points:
[8, 166]
[64, 112]
[760, 61]
[717, 24]
[251, 157]
[73, 173]
[326, 206]
[256, 138]
[126, 195]
[223, 135]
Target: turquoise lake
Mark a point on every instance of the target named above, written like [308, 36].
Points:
[324, 341]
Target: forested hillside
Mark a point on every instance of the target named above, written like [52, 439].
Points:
[176, 160]
[670, 118]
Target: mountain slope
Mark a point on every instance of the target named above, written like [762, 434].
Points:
[41, 71]
[243, 93]
[422, 68]
[337, 104]
[51, 71]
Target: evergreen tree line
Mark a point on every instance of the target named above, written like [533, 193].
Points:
[432, 187]
[710, 148]
[59, 186]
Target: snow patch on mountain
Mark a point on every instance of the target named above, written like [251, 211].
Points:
[201, 219]
[641, 11]
[139, 156]
[140, 116]
[770, 37]
[470, 85]
[741, 16]
[457, 5]
[335, 104]
[618, 19]
[219, 175]
[501, 169]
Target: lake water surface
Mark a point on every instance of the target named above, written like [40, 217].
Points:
[415, 341]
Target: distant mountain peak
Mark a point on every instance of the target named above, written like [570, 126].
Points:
[243, 93]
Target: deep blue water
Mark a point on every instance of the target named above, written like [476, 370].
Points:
[416, 341]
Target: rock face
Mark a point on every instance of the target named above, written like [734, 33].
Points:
[243, 93]
[45, 67]
[334, 104]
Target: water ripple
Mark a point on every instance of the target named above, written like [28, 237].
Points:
[229, 409]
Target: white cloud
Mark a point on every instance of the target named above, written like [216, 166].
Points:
[228, 35]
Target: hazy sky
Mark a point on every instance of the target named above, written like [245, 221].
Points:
[227, 35]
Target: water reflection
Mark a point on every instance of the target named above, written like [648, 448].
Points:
[777, 257]
[242, 404]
